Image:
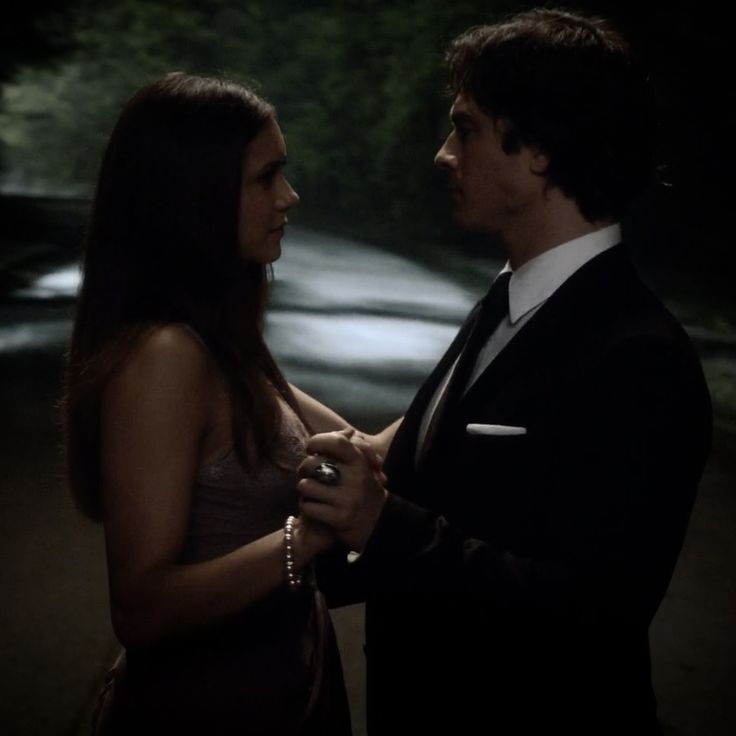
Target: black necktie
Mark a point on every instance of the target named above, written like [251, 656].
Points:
[492, 309]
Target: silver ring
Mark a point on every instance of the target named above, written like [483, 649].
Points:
[327, 473]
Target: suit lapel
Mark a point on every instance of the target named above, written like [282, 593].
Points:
[532, 342]
[548, 331]
[542, 334]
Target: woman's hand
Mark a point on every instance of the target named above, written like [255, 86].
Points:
[375, 446]
[366, 444]
[311, 539]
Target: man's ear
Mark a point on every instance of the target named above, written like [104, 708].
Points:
[538, 162]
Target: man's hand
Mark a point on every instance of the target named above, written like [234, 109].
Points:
[352, 507]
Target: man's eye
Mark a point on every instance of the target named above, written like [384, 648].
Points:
[462, 132]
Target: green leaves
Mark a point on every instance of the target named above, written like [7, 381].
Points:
[358, 87]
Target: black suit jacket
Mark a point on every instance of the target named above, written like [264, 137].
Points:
[511, 580]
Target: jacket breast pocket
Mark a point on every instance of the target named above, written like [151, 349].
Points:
[500, 499]
[477, 429]
[495, 452]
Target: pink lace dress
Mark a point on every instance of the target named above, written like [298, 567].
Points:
[273, 669]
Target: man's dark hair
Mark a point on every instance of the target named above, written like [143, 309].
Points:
[571, 86]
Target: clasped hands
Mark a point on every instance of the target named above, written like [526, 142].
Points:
[351, 507]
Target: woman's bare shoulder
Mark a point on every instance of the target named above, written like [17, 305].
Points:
[174, 340]
[170, 355]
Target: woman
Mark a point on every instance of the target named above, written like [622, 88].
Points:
[183, 435]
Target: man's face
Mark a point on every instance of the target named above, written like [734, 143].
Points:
[490, 189]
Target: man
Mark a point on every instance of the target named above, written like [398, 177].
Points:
[540, 485]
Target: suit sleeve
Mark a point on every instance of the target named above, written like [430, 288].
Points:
[624, 468]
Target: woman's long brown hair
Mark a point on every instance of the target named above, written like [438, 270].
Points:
[162, 248]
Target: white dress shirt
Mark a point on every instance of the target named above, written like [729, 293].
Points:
[530, 287]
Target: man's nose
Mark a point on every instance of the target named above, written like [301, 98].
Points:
[445, 158]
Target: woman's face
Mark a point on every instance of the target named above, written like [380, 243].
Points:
[265, 196]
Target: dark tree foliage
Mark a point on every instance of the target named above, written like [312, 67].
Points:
[359, 88]
[33, 32]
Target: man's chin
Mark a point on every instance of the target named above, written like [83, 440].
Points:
[467, 224]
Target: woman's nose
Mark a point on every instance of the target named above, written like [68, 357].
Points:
[288, 197]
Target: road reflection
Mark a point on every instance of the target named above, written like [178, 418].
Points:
[355, 325]
[36, 335]
[62, 283]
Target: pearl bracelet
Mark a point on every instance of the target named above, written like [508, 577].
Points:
[294, 579]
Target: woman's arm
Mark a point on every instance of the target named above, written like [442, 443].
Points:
[382, 441]
[323, 419]
[154, 418]
[319, 417]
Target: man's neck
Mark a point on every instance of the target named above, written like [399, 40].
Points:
[558, 222]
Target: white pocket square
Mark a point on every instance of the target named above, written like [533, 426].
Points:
[495, 429]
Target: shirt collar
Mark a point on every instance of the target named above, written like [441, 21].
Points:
[535, 281]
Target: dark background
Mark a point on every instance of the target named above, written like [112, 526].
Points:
[359, 90]
[358, 86]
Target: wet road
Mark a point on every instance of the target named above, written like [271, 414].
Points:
[348, 322]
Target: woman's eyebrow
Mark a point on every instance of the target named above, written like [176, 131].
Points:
[269, 165]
